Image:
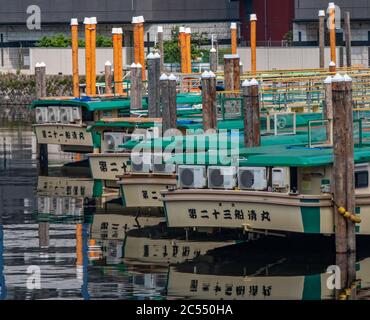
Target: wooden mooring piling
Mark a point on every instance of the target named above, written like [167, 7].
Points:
[343, 167]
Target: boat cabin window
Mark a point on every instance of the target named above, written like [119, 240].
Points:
[87, 115]
[294, 179]
[361, 179]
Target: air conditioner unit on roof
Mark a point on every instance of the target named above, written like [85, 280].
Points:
[252, 178]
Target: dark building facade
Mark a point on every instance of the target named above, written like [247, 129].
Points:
[208, 15]
[120, 11]
[275, 20]
[306, 21]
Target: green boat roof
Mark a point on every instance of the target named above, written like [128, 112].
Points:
[300, 157]
[212, 141]
[121, 124]
[90, 105]
[281, 156]
[102, 104]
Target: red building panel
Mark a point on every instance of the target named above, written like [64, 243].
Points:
[275, 19]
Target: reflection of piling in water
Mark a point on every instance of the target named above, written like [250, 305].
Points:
[44, 237]
[42, 149]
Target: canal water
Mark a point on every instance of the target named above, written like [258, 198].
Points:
[58, 242]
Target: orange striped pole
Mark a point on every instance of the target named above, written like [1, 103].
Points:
[87, 56]
[93, 24]
[79, 246]
[333, 52]
[142, 44]
[234, 38]
[114, 40]
[253, 21]
[188, 49]
[117, 60]
[76, 80]
[182, 45]
[119, 57]
[136, 40]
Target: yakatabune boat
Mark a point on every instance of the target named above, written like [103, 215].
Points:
[64, 121]
[281, 188]
[141, 187]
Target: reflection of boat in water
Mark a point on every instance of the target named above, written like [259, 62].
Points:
[161, 245]
[64, 198]
[2, 277]
[111, 224]
[266, 270]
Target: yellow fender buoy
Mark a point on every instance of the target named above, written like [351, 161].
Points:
[347, 214]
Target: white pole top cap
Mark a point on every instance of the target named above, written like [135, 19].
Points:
[246, 83]
[188, 30]
[150, 56]
[163, 77]
[93, 20]
[74, 22]
[160, 29]
[140, 19]
[87, 20]
[172, 77]
[337, 78]
[117, 30]
[253, 82]
[321, 13]
[233, 25]
[253, 17]
[332, 64]
[206, 74]
[134, 20]
[182, 30]
[331, 5]
[212, 75]
[213, 50]
[328, 80]
[108, 63]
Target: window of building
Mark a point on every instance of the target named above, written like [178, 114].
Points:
[361, 179]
